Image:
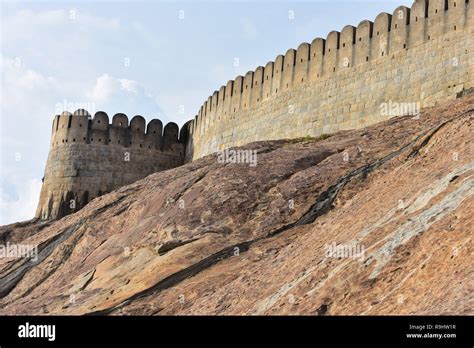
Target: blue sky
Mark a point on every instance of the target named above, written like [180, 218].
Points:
[158, 59]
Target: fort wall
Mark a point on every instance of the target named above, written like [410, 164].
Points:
[423, 55]
[90, 156]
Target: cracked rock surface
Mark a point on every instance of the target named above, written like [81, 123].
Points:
[213, 238]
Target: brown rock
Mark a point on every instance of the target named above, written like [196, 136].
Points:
[394, 199]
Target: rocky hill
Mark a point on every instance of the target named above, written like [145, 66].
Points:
[222, 238]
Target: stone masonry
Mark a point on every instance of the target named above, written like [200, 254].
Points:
[414, 58]
[89, 157]
[399, 63]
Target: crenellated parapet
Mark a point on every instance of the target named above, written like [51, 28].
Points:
[326, 61]
[90, 156]
[80, 127]
[412, 58]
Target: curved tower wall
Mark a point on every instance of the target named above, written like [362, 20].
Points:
[92, 156]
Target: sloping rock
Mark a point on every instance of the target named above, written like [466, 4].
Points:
[212, 238]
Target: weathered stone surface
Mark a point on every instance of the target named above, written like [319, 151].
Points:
[392, 67]
[421, 56]
[223, 238]
[89, 157]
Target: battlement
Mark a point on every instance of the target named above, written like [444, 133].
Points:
[370, 44]
[420, 55]
[81, 128]
[90, 156]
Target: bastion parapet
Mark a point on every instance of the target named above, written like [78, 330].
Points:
[90, 156]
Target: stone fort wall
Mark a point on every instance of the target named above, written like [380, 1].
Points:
[423, 55]
[89, 157]
[419, 55]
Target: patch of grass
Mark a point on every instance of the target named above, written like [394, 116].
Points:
[309, 138]
[324, 136]
[301, 139]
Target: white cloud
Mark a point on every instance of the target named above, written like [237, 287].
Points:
[25, 89]
[68, 44]
[107, 88]
[53, 60]
[25, 24]
[122, 95]
[130, 86]
[21, 207]
[27, 107]
[103, 89]
[30, 98]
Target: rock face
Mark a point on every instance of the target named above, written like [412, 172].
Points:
[373, 221]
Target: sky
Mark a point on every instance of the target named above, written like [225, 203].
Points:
[158, 59]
